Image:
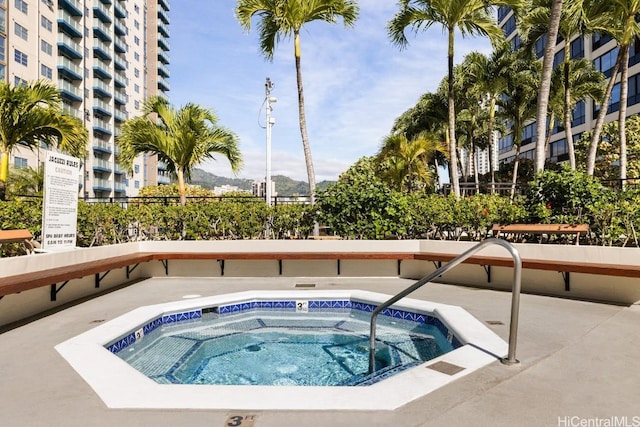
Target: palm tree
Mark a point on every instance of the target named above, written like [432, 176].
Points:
[487, 76]
[617, 18]
[284, 19]
[536, 23]
[470, 17]
[586, 83]
[31, 114]
[405, 162]
[518, 105]
[182, 139]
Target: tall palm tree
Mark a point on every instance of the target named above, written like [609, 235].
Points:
[617, 18]
[284, 19]
[586, 83]
[518, 105]
[406, 162]
[31, 114]
[487, 76]
[470, 17]
[182, 139]
[536, 23]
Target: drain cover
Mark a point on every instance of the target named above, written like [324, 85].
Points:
[494, 322]
[446, 368]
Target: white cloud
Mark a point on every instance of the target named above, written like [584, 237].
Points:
[356, 83]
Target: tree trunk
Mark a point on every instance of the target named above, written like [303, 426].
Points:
[545, 82]
[4, 173]
[567, 108]
[182, 189]
[474, 162]
[453, 161]
[622, 115]
[492, 115]
[303, 128]
[517, 130]
[547, 139]
[597, 129]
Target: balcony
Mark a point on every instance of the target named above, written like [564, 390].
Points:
[102, 146]
[68, 69]
[163, 43]
[163, 29]
[163, 16]
[120, 45]
[69, 91]
[119, 11]
[120, 28]
[163, 57]
[120, 97]
[73, 7]
[163, 85]
[101, 89]
[101, 50]
[119, 170]
[101, 184]
[164, 180]
[102, 126]
[69, 25]
[120, 79]
[70, 111]
[101, 107]
[101, 165]
[163, 71]
[164, 4]
[120, 187]
[107, 2]
[101, 70]
[69, 47]
[119, 63]
[102, 13]
[102, 31]
[120, 115]
[162, 166]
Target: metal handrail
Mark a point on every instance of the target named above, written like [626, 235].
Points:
[515, 298]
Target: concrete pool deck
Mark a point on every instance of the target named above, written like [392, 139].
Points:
[580, 362]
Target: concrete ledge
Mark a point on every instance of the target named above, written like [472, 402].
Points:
[33, 284]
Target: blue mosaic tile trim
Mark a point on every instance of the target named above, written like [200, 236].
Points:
[320, 305]
[392, 312]
[166, 319]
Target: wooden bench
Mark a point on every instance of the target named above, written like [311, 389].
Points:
[541, 229]
[18, 236]
[100, 268]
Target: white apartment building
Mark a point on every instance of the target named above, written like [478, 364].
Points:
[600, 49]
[106, 57]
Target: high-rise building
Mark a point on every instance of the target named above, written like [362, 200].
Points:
[602, 50]
[106, 57]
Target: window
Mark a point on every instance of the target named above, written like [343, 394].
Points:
[503, 11]
[605, 63]
[20, 163]
[136, 56]
[20, 57]
[22, 6]
[2, 48]
[579, 114]
[46, 71]
[137, 104]
[136, 184]
[598, 40]
[509, 26]
[136, 72]
[17, 81]
[577, 48]
[3, 14]
[136, 8]
[558, 58]
[136, 40]
[46, 47]
[21, 31]
[46, 23]
[2, 71]
[136, 88]
[136, 24]
[540, 45]
[136, 168]
[529, 134]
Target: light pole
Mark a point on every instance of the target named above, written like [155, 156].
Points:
[270, 122]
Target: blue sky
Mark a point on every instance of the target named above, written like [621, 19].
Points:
[355, 83]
